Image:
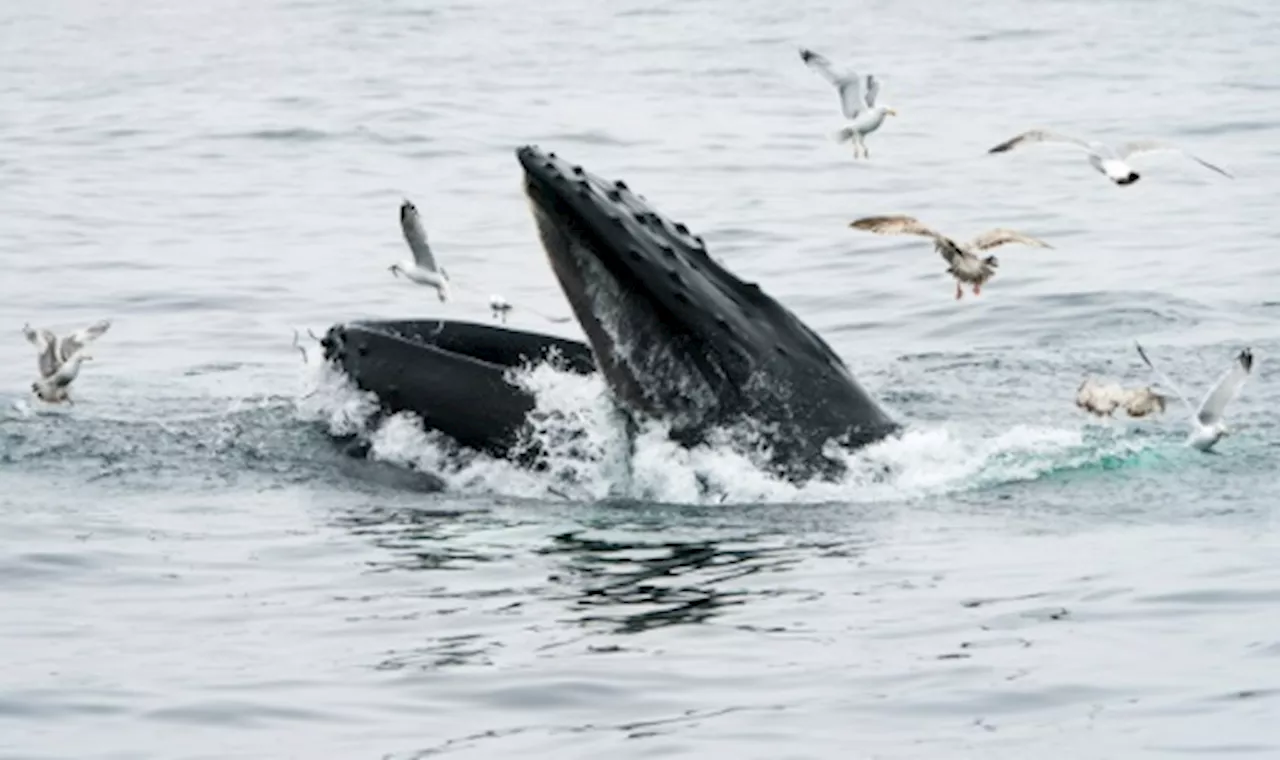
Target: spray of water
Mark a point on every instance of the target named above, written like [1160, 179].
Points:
[590, 455]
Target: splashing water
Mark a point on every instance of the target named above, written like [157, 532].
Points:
[590, 456]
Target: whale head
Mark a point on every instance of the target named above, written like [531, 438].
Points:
[676, 335]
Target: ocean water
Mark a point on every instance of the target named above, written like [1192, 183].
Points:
[192, 570]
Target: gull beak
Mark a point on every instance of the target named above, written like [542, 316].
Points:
[891, 111]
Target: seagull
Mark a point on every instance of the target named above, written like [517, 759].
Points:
[499, 306]
[1207, 425]
[1111, 162]
[857, 101]
[59, 359]
[962, 259]
[422, 269]
[1103, 399]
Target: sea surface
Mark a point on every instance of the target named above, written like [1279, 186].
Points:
[189, 568]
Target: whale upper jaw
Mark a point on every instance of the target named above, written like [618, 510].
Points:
[678, 336]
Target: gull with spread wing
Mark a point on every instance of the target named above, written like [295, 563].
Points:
[422, 269]
[1110, 162]
[963, 263]
[857, 101]
[1207, 422]
[59, 358]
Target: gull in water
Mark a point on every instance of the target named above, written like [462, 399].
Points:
[500, 307]
[857, 101]
[1206, 422]
[1102, 399]
[1111, 162]
[423, 268]
[962, 260]
[59, 359]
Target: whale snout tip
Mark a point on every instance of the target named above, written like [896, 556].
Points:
[533, 159]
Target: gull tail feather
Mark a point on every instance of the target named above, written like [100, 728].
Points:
[844, 134]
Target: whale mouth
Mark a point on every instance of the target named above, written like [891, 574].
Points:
[632, 289]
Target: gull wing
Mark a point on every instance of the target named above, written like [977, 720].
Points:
[46, 349]
[894, 224]
[416, 236]
[898, 224]
[1155, 146]
[1227, 388]
[872, 88]
[998, 237]
[1164, 379]
[1039, 136]
[78, 339]
[848, 84]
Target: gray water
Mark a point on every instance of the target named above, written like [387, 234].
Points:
[191, 570]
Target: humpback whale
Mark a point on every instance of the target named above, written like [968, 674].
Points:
[676, 336]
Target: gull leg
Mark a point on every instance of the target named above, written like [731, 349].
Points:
[959, 291]
[977, 288]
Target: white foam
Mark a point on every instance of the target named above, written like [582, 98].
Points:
[589, 457]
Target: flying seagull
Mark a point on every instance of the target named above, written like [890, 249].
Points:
[1111, 162]
[1206, 422]
[962, 259]
[857, 101]
[423, 268]
[59, 359]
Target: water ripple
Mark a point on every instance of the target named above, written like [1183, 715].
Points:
[189, 553]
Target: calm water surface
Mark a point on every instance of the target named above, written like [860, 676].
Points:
[193, 571]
